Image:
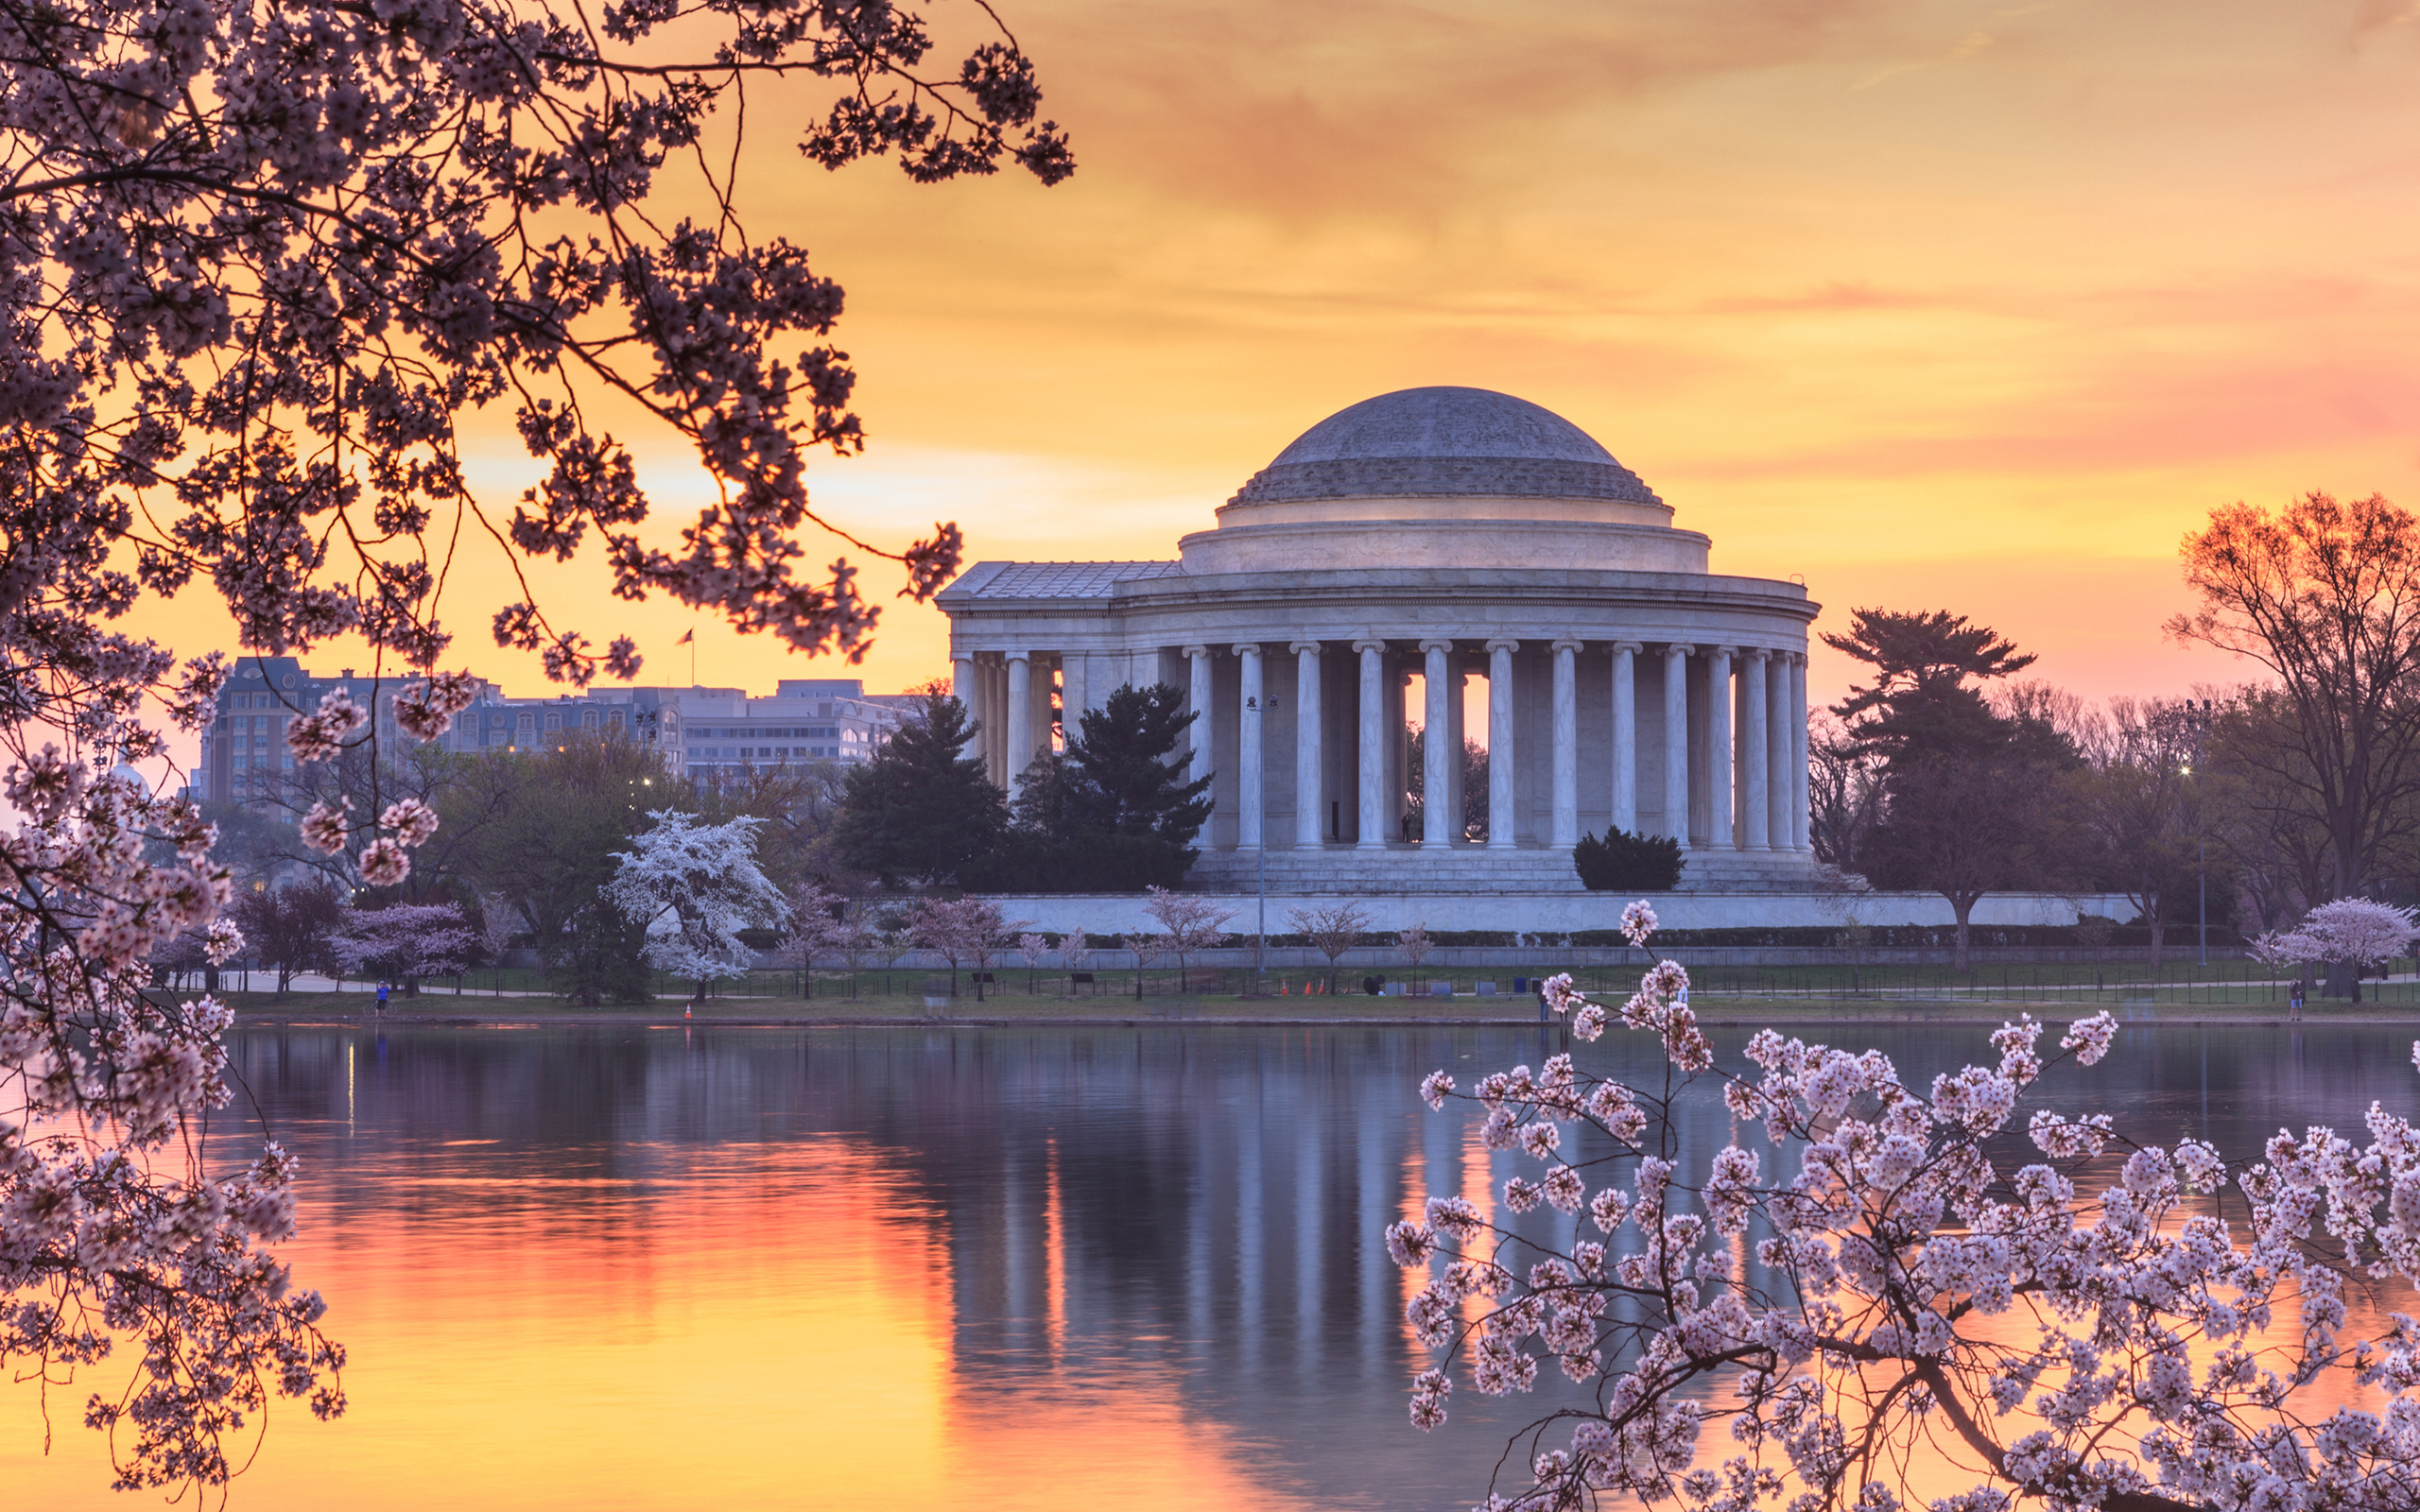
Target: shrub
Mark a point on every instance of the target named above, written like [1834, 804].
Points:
[1623, 862]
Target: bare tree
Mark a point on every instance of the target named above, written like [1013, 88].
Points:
[2138, 803]
[1333, 930]
[1147, 946]
[1967, 825]
[1193, 924]
[2265, 815]
[2326, 598]
[968, 930]
[1844, 792]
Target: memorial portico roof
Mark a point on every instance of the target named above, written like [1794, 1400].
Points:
[1445, 441]
[1054, 579]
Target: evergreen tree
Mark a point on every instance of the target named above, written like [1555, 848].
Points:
[1970, 800]
[921, 809]
[1924, 700]
[1123, 780]
[1110, 814]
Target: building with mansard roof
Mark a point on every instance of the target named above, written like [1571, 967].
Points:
[1399, 553]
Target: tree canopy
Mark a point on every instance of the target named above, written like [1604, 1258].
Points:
[257, 264]
[1925, 695]
[2326, 596]
[1969, 801]
[1125, 782]
[921, 808]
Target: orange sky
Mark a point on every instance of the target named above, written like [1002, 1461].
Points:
[1938, 305]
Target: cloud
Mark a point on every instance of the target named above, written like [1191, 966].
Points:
[1965, 47]
[1306, 112]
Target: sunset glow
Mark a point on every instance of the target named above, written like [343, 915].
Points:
[1969, 305]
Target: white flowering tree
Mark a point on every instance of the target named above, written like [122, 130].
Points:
[2357, 933]
[1032, 948]
[1076, 951]
[2108, 1324]
[693, 887]
[404, 942]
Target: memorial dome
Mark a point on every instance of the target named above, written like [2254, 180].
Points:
[1445, 441]
[1444, 478]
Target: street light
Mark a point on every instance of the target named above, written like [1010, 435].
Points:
[2197, 720]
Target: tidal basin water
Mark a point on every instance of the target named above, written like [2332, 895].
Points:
[946, 1268]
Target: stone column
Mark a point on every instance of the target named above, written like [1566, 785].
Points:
[1780, 790]
[1046, 714]
[1566, 744]
[1373, 744]
[964, 686]
[1626, 736]
[1676, 742]
[1755, 762]
[1310, 807]
[1020, 740]
[1718, 745]
[1799, 818]
[1075, 690]
[1500, 757]
[1455, 736]
[1198, 731]
[1251, 791]
[1437, 814]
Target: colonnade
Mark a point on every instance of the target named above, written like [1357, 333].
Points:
[1725, 732]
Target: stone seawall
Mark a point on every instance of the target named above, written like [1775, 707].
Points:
[1561, 913]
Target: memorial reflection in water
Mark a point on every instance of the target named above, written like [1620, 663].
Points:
[631, 1268]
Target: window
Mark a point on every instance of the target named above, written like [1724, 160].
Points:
[554, 721]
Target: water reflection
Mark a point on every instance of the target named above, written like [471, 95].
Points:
[1010, 1268]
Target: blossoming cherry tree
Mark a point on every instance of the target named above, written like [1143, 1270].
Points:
[2138, 1327]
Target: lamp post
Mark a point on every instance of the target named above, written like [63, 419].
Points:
[1260, 860]
[2197, 720]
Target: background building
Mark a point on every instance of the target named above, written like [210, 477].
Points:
[702, 731]
[806, 720]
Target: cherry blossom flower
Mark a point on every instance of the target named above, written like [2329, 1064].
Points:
[413, 822]
[256, 263]
[385, 863]
[2146, 1364]
[326, 830]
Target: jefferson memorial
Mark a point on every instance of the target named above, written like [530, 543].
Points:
[1402, 553]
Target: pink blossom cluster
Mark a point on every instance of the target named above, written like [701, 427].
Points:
[256, 262]
[2143, 1338]
[113, 1232]
[257, 259]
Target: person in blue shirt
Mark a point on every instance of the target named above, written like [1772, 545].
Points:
[382, 999]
